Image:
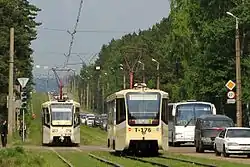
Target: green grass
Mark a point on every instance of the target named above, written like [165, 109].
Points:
[127, 162]
[19, 157]
[93, 136]
[51, 158]
[35, 135]
[120, 160]
[173, 163]
[220, 163]
[81, 159]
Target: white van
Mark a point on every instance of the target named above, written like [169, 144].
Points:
[90, 119]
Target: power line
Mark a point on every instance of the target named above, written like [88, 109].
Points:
[86, 31]
[60, 53]
[74, 32]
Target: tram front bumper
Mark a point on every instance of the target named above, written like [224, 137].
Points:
[61, 134]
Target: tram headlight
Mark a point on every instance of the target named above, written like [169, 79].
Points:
[68, 130]
[54, 130]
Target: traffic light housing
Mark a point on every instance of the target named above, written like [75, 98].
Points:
[24, 98]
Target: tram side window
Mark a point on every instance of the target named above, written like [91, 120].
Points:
[110, 114]
[120, 110]
[165, 111]
[170, 116]
[46, 116]
[77, 116]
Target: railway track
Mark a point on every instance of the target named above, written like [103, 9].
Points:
[62, 158]
[105, 160]
[169, 158]
[146, 161]
[187, 161]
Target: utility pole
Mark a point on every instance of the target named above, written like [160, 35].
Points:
[103, 98]
[158, 76]
[10, 100]
[124, 76]
[87, 96]
[238, 76]
[238, 72]
[158, 72]
[143, 71]
[124, 80]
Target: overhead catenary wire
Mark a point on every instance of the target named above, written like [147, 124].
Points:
[86, 31]
[74, 32]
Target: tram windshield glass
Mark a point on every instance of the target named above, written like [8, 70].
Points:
[143, 108]
[61, 114]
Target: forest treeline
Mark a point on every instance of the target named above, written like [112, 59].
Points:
[21, 16]
[195, 46]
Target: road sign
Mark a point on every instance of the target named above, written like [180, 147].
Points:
[230, 94]
[230, 85]
[23, 81]
[230, 101]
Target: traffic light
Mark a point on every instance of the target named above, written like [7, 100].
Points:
[23, 98]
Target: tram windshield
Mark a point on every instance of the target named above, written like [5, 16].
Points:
[61, 114]
[143, 108]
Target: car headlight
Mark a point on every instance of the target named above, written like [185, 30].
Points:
[206, 139]
[232, 144]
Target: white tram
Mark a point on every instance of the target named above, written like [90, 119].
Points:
[137, 120]
[61, 122]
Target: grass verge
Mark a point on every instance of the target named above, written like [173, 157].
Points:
[19, 157]
[221, 163]
[81, 159]
[93, 136]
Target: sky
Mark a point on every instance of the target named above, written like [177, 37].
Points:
[122, 16]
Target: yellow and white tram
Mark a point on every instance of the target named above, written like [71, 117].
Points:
[61, 122]
[137, 120]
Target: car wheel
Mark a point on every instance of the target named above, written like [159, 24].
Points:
[217, 153]
[225, 154]
[176, 144]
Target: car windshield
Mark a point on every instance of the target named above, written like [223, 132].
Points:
[83, 116]
[186, 113]
[238, 133]
[217, 123]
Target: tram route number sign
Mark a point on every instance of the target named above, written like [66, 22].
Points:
[143, 130]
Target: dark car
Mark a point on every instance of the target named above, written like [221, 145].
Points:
[97, 121]
[207, 127]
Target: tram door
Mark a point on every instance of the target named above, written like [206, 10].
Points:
[46, 125]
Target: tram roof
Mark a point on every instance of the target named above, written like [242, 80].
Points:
[190, 102]
[122, 93]
[61, 102]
